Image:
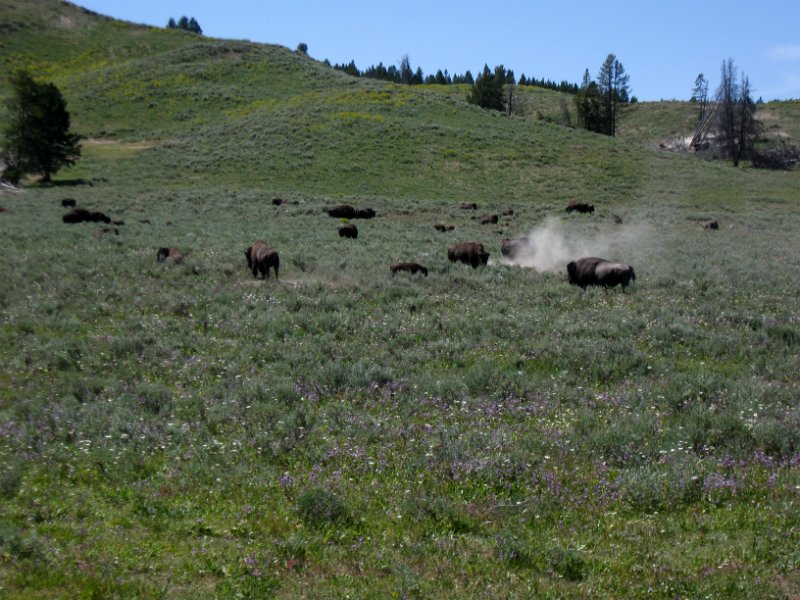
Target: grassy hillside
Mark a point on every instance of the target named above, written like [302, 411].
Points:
[185, 431]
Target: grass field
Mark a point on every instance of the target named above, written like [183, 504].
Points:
[185, 431]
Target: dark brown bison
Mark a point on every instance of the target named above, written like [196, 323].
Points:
[172, 254]
[581, 207]
[470, 253]
[68, 203]
[591, 270]
[364, 213]
[711, 225]
[469, 206]
[81, 215]
[342, 211]
[277, 201]
[511, 247]
[508, 213]
[260, 257]
[443, 227]
[409, 267]
[488, 220]
[348, 230]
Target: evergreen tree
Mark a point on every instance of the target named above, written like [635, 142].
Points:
[406, 74]
[487, 91]
[700, 94]
[613, 86]
[36, 136]
[588, 105]
[194, 26]
[171, 24]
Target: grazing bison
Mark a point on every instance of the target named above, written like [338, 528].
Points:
[81, 215]
[581, 207]
[470, 253]
[443, 227]
[277, 201]
[172, 254]
[599, 271]
[469, 206]
[364, 213]
[711, 225]
[511, 247]
[68, 203]
[508, 213]
[488, 220]
[260, 257]
[348, 230]
[409, 267]
[342, 211]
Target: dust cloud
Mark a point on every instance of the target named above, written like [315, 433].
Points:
[548, 247]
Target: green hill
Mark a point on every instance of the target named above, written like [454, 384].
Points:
[188, 431]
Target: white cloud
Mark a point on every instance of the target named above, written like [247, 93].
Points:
[785, 52]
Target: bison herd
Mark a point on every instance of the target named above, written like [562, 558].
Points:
[261, 257]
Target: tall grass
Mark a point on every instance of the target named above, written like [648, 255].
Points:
[183, 430]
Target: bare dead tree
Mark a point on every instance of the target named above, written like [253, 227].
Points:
[736, 123]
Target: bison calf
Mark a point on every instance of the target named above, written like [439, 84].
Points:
[260, 257]
[172, 254]
[443, 227]
[408, 267]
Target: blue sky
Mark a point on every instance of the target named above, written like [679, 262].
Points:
[663, 44]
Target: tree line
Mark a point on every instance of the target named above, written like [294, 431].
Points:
[187, 24]
[405, 74]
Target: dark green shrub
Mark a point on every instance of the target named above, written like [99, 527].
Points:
[568, 563]
[319, 507]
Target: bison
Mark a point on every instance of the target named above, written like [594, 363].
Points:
[470, 253]
[409, 267]
[511, 247]
[711, 225]
[81, 215]
[365, 213]
[342, 211]
[469, 206]
[348, 230]
[443, 227]
[591, 270]
[172, 254]
[277, 201]
[260, 257]
[488, 220]
[581, 207]
[68, 203]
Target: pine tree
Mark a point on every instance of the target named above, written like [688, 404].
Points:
[613, 86]
[487, 91]
[37, 137]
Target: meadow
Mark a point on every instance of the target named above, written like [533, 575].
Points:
[177, 431]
